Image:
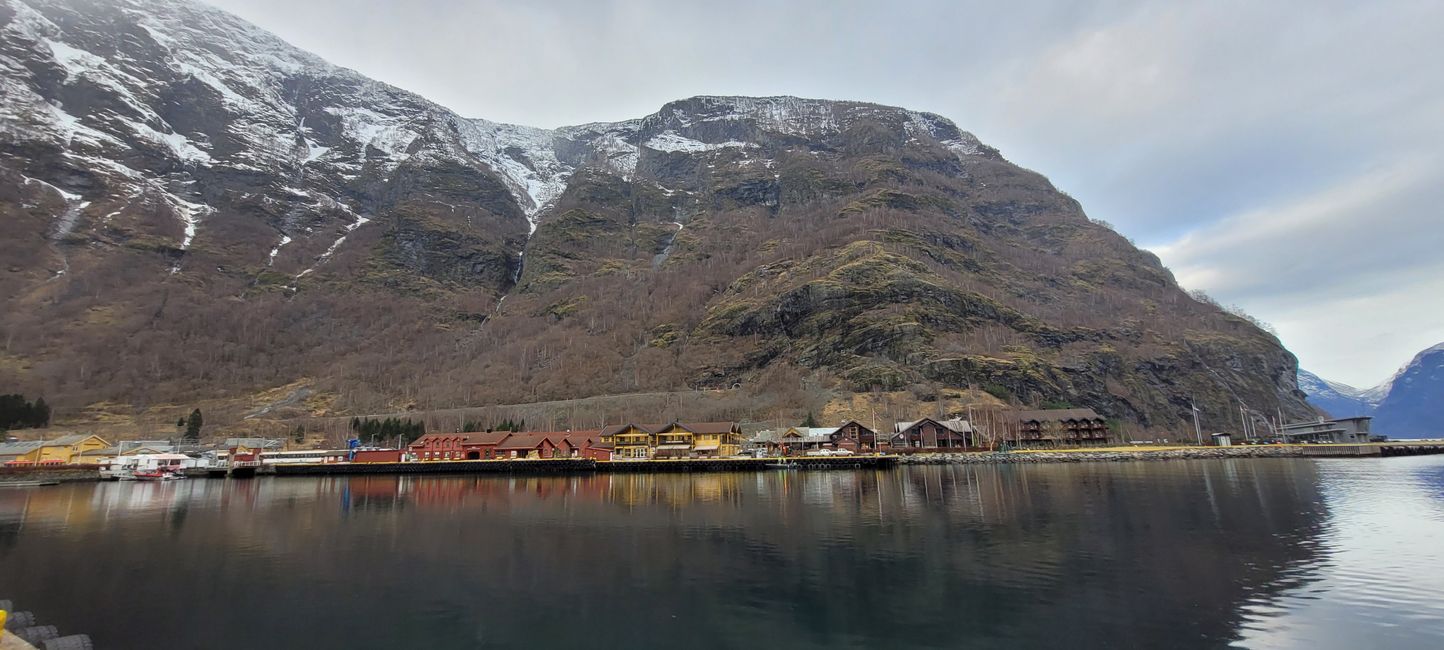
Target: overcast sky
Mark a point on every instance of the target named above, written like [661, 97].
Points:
[1287, 157]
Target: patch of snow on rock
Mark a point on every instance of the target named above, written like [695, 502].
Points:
[670, 141]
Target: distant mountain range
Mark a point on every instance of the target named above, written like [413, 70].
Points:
[1408, 405]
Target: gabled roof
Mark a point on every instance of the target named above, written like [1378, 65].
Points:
[844, 425]
[582, 439]
[709, 427]
[526, 441]
[615, 429]
[955, 425]
[471, 438]
[19, 448]
[769, 435]
[1052, 415]
[72, 439]
[795, 434]
[656, 427]
[27, 446]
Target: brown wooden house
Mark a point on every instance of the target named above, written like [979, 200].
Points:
[853, 436]
[1057, 428]
[928, 433]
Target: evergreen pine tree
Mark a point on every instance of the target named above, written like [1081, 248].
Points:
[40, 413]
[810, 421]
[193, 427]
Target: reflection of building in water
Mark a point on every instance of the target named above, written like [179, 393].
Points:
[1019, 546]
[673, 490]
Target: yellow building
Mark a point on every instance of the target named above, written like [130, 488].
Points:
[64, 450]
[628, 441]
[674, 440]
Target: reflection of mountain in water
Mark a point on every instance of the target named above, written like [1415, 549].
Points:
[1137, 555]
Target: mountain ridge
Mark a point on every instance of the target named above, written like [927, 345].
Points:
[1410, 403]
[205, 210]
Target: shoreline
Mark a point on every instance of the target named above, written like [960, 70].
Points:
[1106, 455]
[27, 477]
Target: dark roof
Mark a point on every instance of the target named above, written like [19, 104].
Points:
[1047, 415]
[694, 427]
[864, 427]
[19, 448]
[472, 438]
[526, 440]
[582, 439]
[709, 427]
[618, 428]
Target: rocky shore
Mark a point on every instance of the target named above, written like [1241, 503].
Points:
[1112, 455]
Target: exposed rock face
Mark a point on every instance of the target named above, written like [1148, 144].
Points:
[1414, 405]
[201, 209]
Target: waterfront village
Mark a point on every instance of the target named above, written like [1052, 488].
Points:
[1049, 429]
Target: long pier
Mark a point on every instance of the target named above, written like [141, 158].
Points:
[583, 465]
[1376, 449]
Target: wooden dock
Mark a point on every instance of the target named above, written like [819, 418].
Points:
[508, 466]
[582, 465]
[747, 464]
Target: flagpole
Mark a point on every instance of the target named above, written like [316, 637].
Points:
[1197, 432]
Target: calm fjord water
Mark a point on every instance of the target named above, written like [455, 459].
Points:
[1250, 552]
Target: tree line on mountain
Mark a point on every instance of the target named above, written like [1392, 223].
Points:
[18, 413]
[405, 431]
[506, 425]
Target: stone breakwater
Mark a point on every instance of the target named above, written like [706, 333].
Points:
[1113, 455]
[46, 474]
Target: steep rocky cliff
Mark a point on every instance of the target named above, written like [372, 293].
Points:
[201, 210]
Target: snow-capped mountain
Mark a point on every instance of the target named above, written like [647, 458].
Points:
[172, 99]
[1414, 404]
[1409, 404]
[194, 207]
[1338, 400]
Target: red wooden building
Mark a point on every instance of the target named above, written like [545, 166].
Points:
[458, 446]
[529, 445]
[377, 456]
[586, 444]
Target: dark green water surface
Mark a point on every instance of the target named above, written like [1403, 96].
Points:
[1189, 554]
